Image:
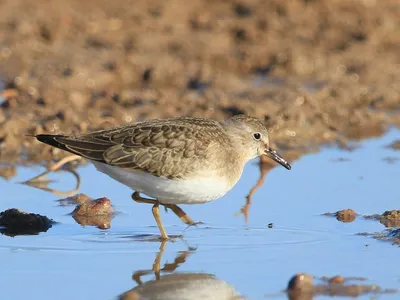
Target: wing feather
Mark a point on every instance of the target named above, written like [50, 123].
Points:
[164, 148]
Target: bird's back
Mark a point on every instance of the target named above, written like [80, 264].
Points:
[168, 148]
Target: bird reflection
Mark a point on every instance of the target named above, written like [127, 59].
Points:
[88, 212]
[265, 165]
[178, 286]
[41, 182]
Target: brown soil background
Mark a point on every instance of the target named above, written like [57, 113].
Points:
[317, 72]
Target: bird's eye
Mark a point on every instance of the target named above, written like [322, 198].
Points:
[257, 136]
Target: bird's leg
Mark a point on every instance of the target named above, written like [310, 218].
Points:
[181, 214]
[137, 198]
[156, 214]
[175, 208]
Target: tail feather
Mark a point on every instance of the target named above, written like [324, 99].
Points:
[88, 149]
[50, 139]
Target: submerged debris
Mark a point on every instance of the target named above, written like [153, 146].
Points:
[301, 286]
[300, 283]
[98, 212]
[390, 218]
[391, 159]
[345, 215]
[340, 159]
[389, 235]
[394, 145]
[15, 222]
[73, 200]
[394, 235]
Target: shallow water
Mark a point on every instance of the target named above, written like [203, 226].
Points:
[74, 262]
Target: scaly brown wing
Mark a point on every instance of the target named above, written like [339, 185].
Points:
[164, 148]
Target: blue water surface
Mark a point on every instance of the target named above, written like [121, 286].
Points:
[74, 262]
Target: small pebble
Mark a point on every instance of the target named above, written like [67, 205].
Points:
[97, 207]
[346, 215]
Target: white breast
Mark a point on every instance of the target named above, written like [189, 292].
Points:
[180, 191]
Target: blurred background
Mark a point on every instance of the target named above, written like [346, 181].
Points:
[315, 71]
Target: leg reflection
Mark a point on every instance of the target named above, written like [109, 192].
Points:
[167, 268]
[265, 167]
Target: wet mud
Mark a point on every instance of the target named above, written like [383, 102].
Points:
[315, 77]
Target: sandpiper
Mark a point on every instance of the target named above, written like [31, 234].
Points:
[182, 160]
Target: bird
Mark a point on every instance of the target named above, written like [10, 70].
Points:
[179, 160]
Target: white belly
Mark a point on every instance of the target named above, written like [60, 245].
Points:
[180, 191]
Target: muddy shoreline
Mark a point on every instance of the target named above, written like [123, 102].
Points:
[326, 75]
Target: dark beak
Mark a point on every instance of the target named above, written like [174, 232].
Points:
[276, 157]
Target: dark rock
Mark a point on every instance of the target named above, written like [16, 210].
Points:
[15, 222]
